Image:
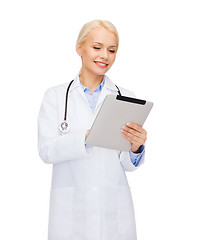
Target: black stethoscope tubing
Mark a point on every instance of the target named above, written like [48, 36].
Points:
[64, 127]
[66, 103]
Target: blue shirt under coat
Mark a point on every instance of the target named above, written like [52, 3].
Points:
[92, 99]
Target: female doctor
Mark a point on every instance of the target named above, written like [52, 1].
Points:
[90, 198]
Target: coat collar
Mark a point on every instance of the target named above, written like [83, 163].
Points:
[108, 84]
[108, 88]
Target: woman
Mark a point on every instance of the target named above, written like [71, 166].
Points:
[90, 196]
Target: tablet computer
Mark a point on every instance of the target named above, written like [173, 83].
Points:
[114, 113]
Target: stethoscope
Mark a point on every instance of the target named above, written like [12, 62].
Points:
[64, 126]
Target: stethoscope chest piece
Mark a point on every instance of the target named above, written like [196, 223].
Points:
[64, 127]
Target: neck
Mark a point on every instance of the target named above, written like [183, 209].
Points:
[90, 81]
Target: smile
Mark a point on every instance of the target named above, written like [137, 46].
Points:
[101, 64]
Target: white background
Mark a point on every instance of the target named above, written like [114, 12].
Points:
[164, 56]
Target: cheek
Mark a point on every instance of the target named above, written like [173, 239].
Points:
[88, 55]
[112, 58]
[87, 59]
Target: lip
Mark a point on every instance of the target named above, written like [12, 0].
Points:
[98, 64]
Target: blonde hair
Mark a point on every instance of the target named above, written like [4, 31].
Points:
[83, 34]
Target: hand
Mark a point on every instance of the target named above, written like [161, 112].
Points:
[87, 134]
[135, 134]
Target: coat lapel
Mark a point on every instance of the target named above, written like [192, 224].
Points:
[109, 88]
[76, 84]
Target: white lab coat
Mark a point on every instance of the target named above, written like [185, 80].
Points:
[90, 198]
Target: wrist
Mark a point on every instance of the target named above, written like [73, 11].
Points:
[138, 150]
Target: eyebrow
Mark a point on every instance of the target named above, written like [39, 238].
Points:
[102, 44]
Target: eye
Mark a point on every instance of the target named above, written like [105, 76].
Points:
[112, 51]
[97, 48]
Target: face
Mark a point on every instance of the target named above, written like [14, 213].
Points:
[98, 52]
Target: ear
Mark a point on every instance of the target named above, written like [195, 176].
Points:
[79, 49]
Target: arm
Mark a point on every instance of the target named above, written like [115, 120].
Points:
[52, 146]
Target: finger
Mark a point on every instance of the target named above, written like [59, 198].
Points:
[136, 127]
[130, 131]
[133, 138]
[134, 131]
[137, 137]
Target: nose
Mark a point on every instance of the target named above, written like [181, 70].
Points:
[104, 54]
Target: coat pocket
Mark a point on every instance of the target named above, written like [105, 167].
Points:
[61, 213]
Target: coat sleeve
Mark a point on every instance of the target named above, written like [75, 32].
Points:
[126, 162]
[124, 157]
[52, 146]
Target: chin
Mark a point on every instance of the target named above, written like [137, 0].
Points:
[102, 71]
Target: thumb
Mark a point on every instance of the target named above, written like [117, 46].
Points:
[87, 133]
